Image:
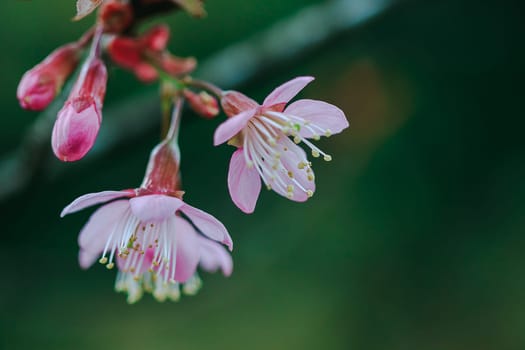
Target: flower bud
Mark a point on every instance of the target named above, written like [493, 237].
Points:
[40, 85]
[78, 122]
[75, 129]
[203, 103]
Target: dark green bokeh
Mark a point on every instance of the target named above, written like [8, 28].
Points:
[414, 239]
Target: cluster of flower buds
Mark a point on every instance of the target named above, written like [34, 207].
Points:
[155, 239]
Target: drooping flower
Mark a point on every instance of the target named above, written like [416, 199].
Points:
[78, 122]
[40, 85]
[154, 238]
[265, 151]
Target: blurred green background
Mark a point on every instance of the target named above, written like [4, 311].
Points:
[414, 239]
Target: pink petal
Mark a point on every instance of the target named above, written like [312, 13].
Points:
[214, 256]
[86, 259]
[208, 225]
[187, 246]
[290, 160]
[244, 183]
[232, 126]
[286, 91]
[95, 233]
[154, 207]
[90, 199]
[319, 113]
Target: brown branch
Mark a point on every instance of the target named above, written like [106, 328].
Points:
[234, 66]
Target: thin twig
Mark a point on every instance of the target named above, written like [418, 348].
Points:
[233, 66]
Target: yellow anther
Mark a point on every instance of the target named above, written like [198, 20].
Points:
[110, 266]
[328, 133]
[290, 174]
[272, 142]
[309, 193]
[103, 260]
[289, 195]
[315, 153]
[301, 165]
[297, 139]
[316, 137]
[289, 188]
[136, 278]
[269, 187]
[327, 157]
[277, 155]
[310, 177]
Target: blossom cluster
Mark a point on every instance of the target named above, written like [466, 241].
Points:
[155, 240]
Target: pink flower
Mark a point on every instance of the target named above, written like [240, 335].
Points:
[40, 85]
[143, 233]
[78, 122]
[261, 134]
[149, 240]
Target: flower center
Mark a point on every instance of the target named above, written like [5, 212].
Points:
[281, 165]
[142, 247]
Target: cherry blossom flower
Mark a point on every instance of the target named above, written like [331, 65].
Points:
[265, 151]
[155, 239]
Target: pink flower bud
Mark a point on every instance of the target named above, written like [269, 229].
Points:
[78, 122]
[203, 103]
[40, 85]
[75, 130]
